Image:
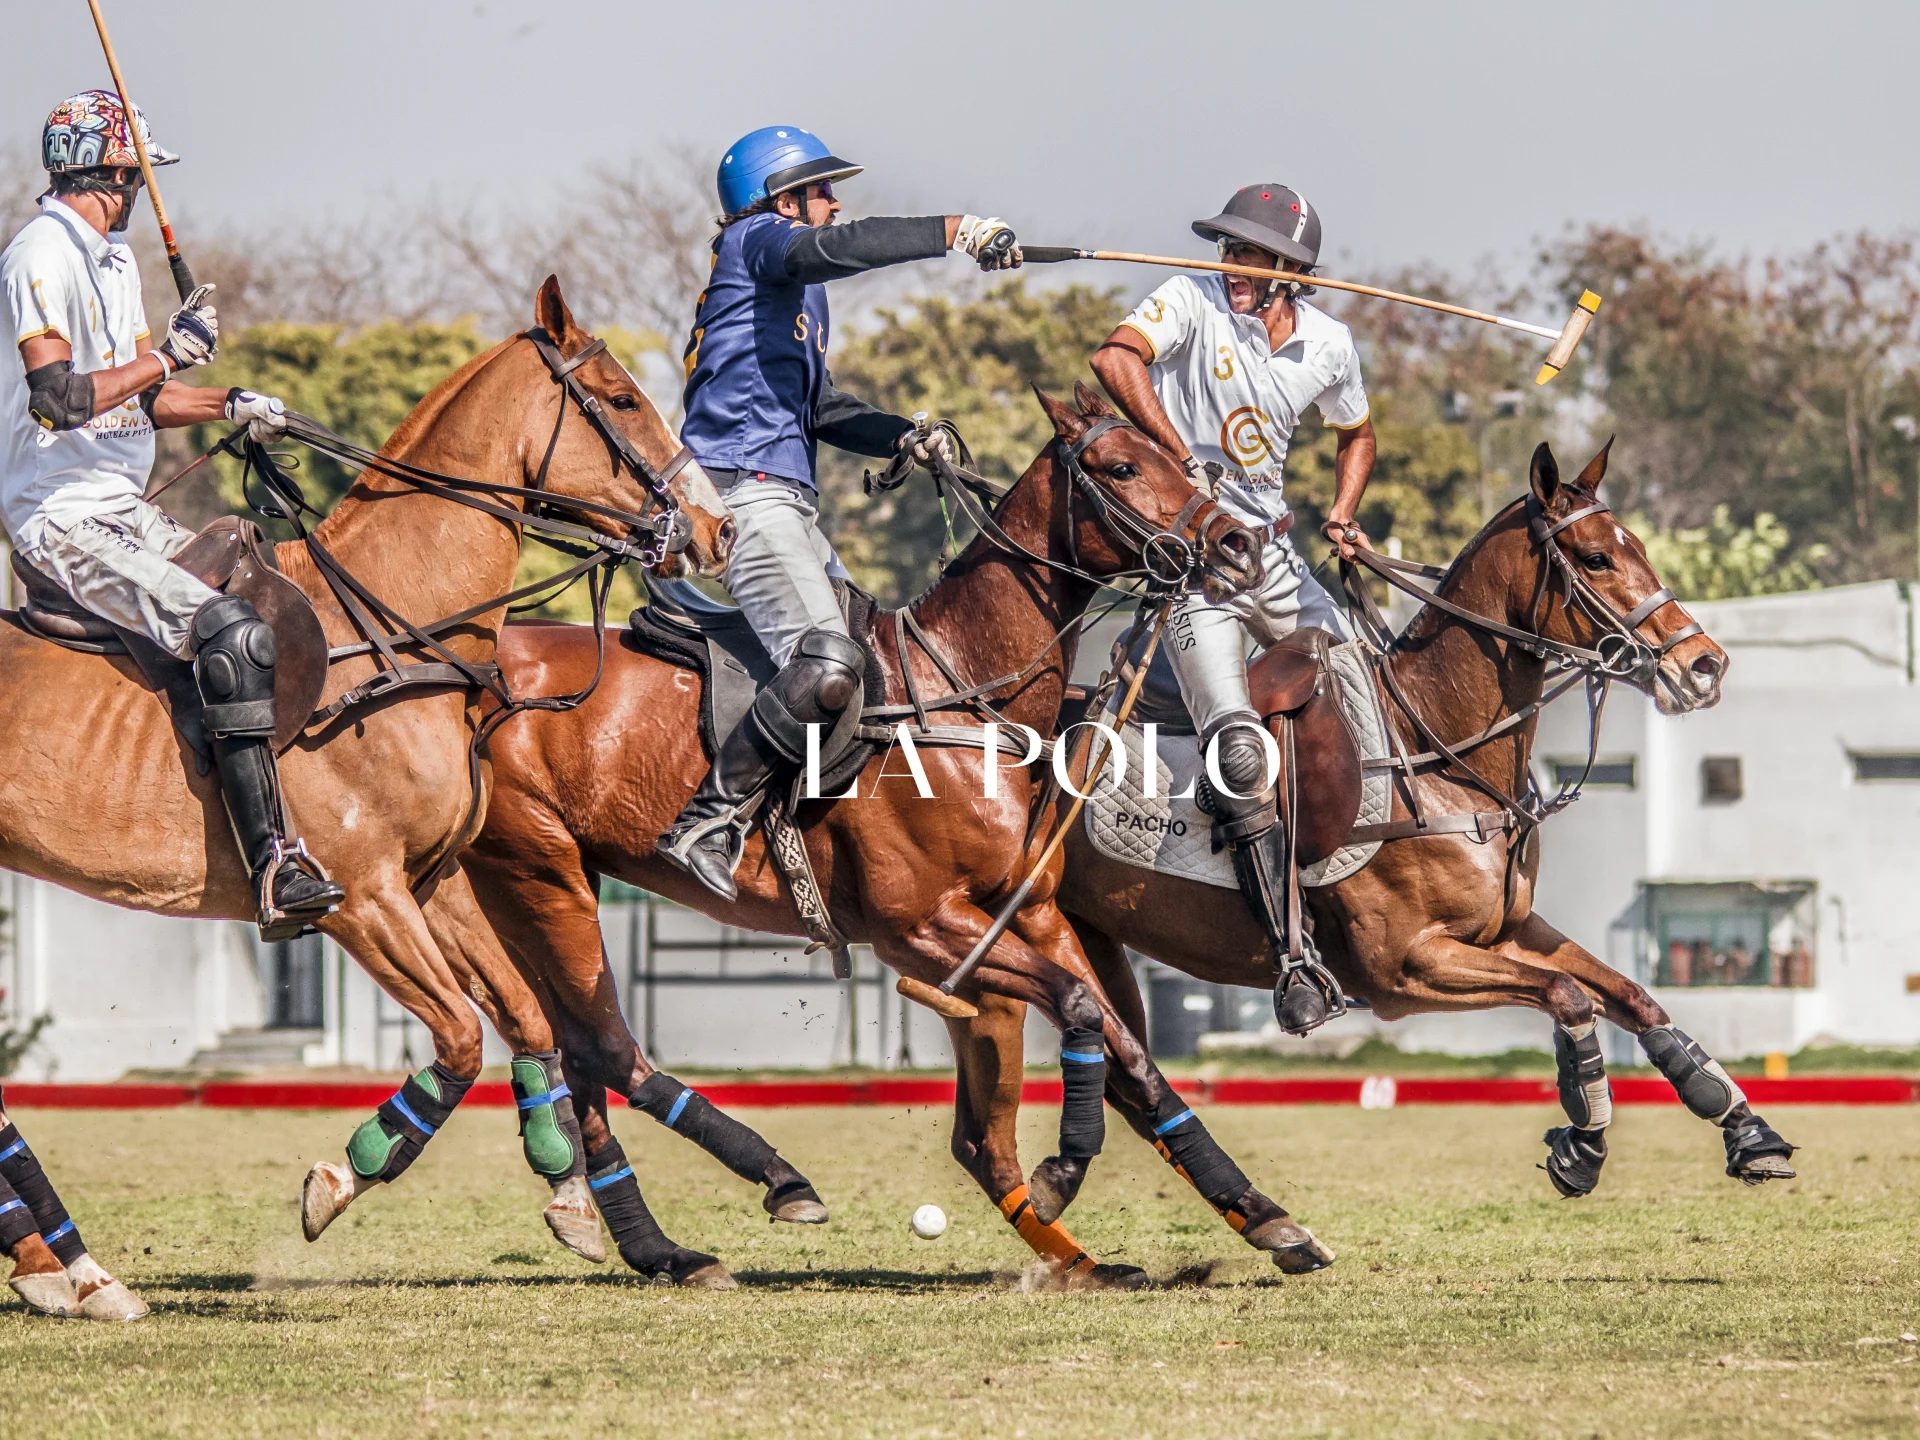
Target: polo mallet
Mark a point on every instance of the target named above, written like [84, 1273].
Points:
[942, 1000]
[176, 262]
[1564, 339]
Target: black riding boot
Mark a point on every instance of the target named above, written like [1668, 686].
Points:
[813, 688]
[234, 657]
[1305, 996]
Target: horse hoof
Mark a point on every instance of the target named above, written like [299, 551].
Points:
[691, 1270]
[49, 1294]
[1762, 1168]
[1294, 1250]
[574, 1221]
[112, 1301]
[1111, 1277]
[1053, 1185]
[797, 1204]
[1574, 1158]
[1757, 1153]
[329, 1188]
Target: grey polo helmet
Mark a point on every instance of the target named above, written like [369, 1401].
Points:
[1270, 216]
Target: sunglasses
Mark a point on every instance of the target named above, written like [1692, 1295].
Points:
[1238, 252]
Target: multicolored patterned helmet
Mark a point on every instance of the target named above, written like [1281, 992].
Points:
[88, 131]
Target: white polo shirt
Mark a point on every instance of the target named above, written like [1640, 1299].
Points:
[62, 277]
[1233, 398]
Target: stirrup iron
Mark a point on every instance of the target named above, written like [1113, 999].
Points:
[275, 923]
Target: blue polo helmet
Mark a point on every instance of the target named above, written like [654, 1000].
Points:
[773, 159]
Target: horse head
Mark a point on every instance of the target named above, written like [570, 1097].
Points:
[1612, 601]
[586, 464]
[1132, 504]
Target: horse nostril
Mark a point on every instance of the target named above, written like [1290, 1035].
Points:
[723, 537]
[1707, 667]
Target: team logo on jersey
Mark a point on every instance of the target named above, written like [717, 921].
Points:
[1243, 435]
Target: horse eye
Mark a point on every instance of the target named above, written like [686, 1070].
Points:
[1124, 472]
[624, 402]
[1596, 561]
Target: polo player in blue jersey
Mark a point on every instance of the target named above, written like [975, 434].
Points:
[759, 400]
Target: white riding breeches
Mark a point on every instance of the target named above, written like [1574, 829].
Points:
[117, 562]
[1208, 643]
[781, 566]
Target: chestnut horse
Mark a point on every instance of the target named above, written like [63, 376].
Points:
[103, 797]
[581, 795]
[1443, 922]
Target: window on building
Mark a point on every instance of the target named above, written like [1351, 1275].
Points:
[1618, 772]
[1734, 933]
[1886, 764]
[1720, 782]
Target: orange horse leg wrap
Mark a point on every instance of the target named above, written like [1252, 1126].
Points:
[1051, 1243]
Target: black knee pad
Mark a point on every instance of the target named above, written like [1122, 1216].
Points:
[813, 688]
[1083, 1083]
[687, 1112]
[1584, 1092]
[1704, 1087]
[549, 1130]
[234, 656]
[383, 1147]
[20, 1169]
[1184, 1143]
[1242, 761]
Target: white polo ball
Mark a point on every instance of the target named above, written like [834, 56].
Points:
[929, 1222]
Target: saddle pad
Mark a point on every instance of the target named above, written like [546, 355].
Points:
[1174, 836]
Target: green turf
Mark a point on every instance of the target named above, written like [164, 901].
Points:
[1466, 1300]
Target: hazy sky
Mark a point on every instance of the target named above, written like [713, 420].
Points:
[1423, 131]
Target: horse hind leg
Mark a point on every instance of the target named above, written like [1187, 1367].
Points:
[1756, 1152]
[96, 1294]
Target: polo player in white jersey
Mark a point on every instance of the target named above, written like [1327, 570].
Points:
[1219, 369]
[80, 398]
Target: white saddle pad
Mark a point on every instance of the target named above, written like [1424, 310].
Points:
[1173, 835]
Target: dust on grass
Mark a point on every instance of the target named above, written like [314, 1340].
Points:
[1467, 1298]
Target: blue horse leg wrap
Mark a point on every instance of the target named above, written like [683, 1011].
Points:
[1083, 1086]
[687, 1112]
[1183, 1142]
[20, 1168]
[643, 1245]
[549, 1130]
[383, 1147]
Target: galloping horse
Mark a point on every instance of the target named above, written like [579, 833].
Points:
[1445, 922]
[581, 795]
[103, 795]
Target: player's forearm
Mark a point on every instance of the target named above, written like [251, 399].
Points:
[1125, 375]
[177, 405]
[1352, 464]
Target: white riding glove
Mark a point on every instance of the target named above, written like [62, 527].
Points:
[193, 333]
[926, 441]
[989, 241]
[264, 415]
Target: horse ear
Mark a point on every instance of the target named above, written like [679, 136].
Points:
[1544, 474]
[551, 311]
[1596, 470]
[1090, 401]
[1067, 423]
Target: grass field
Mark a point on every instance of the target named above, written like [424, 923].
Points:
[1466, 1299]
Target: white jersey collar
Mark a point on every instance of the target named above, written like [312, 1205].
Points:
[101, 250]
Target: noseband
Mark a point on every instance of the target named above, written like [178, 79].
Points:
[1168, 552]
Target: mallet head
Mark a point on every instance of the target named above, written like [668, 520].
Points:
[1570, 334]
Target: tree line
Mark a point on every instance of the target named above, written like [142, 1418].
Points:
[1765, 411]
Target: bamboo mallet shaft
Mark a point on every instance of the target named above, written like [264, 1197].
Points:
[182, 273]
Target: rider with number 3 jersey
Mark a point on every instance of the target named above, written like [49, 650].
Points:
[1219, 369]
[759, 400]
[78, 409]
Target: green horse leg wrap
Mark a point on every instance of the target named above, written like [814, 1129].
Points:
[549, 1131]
[383, 1147]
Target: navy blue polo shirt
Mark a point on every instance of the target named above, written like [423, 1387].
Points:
[757, 357]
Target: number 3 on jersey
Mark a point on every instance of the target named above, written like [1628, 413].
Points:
[1223, 368]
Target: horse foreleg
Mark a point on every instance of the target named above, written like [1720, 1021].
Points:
[989, 1051]
[1184, 1142]
[1442, 973]
[52, 1271]
[1756, 1152]
[383, 929]
[549, 1131]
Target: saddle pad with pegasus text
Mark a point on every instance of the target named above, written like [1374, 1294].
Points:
[1174, 835]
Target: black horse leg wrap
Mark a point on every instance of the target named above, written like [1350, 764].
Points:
[20, 1169]
[1083, 1084]
[16, 1217]
[383, 1147]
[1185, 1144]
[689, 1113]
[1584, 1092]
[643, 1245]
[1704, 1087]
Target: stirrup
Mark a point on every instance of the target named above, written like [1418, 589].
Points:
[275, 923]
[678, 843]
[1307, 970]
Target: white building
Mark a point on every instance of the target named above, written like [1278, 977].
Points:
[1750, 863]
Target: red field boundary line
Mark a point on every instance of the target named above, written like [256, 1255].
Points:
[1374, 1092]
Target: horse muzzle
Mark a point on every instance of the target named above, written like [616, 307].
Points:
[1690, 678]
[1231, 563]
